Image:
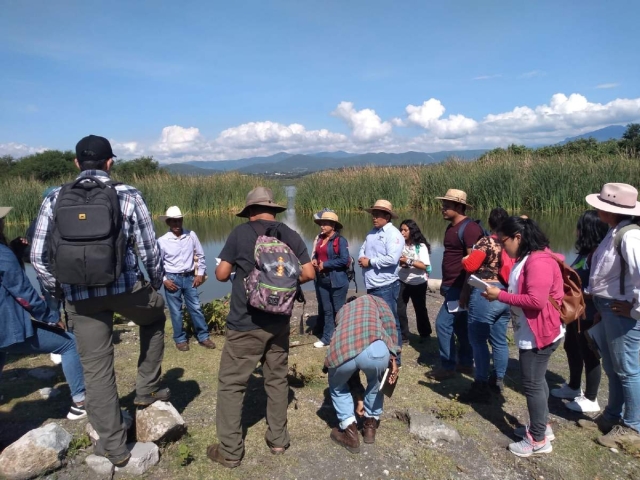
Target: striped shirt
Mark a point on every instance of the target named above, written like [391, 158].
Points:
[138, 228]
[359, 324]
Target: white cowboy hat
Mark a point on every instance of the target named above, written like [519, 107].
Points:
[384, 206]
[455, 195]
[172, 212]
[617, 198]
[329, 216]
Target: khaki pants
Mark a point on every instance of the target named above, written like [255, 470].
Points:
[241, 353]
[93, 328]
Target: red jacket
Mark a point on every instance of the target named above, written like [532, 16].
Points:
[539, 279]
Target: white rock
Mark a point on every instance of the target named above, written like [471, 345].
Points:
[42, 373]
[427, 427]
[614, 450]
[37, 452]
[143, 457]
[55, 358]
[48, 393]
[386, 473]
[131, 324]
[93, 435]
[159, 421]
[100, 465]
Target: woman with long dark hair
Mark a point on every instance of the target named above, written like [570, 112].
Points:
[414, 274]
[537, 328]
[590, 232]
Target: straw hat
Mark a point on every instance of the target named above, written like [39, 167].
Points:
[617, 198]
[454, 195]
[4, 211]
[260, 196]
[383, 205]
[172, 212]
[329, 216]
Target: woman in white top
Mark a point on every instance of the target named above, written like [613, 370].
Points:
[414, 273]
[614, 283]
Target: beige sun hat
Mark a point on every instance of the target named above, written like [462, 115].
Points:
[383, 205]
[172, 212]
[260, 196]
[455, 195]
[4, 211]
[619, 198]
[329, 216]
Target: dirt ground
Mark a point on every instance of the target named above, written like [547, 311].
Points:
[192, 376]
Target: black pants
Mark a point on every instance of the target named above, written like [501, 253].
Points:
[418, 296]
[580, 357]
[533, 367]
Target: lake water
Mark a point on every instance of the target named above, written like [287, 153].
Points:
[214, 231]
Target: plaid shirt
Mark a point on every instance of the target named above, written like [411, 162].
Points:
[137, 224]
[359, 324]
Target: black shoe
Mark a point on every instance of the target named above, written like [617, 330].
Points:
[162, 395]
[478, 393]
[496, 384]
[119, 461]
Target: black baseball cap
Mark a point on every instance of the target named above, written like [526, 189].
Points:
[93, 147]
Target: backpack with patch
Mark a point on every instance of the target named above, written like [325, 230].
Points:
[572, 307]
[351, 271]
[272, 284]
[617, 242]
[87, 245]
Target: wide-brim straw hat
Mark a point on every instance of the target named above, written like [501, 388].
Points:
[329, 216]
[172, 212]
[262, 196]
[382, 205]
[619, 198]
[455, 195]
[4, 211]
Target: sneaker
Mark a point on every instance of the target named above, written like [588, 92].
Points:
[523, 431]
[162, 395]
[599, 421]
[528, 446]
[619, 436]
[584, 405]
[565, 392]
[320, 344]
[77, 411]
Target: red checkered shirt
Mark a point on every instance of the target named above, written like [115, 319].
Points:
[359, 324]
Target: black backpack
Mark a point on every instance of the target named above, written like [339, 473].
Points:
[87, 245]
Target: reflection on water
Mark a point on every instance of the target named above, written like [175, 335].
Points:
[214, 231]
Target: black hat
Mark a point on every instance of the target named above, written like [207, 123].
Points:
[93, 147]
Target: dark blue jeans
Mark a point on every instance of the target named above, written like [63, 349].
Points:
[389, 293]
[187, 291]
[488, 322]
[448, 324]
[332, 300]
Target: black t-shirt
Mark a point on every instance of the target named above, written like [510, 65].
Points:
[453, 274]
[239, 252]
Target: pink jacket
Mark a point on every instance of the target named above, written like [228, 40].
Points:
[540, 278]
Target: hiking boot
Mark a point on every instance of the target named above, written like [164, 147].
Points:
[213, 453]
[524, 430]
[584, 405]
[528, 446]
[77, 411]
[599, 421]
[496, 384]
[369, 429]
[119, 460]
[619, 436]
[478, 393]
[207, 344]
[162, 395]
[566, 392]
[182, 346]
[440, 374]
[348, 437]
[465, 369]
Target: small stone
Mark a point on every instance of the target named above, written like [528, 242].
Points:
[143, 457]
[100, 465]
[42, 373]
[386, 473]
[48, 393]
[293, 344]
[160, 421]
[55, 358]
[614, 450]
[93, 435]
[131, 324]
[427, 427]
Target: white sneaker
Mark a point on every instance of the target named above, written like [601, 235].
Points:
[565, 392]
[319, 344]
[55, 358]
[584, 405]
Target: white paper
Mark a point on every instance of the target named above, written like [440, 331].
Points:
[478, 283]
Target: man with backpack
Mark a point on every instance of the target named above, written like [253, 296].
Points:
[269, 260]
[460, 236]
[84, 240]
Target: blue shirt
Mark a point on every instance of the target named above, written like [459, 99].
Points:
[383, 247]
[178, 252]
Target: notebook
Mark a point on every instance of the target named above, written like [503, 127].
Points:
[386, 387]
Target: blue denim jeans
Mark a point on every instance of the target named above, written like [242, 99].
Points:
[448, 324]
[621, 362]
[389, 293]
[488, 322]
[53, 340]
[332, 300]
[372, 361]
[187, 291]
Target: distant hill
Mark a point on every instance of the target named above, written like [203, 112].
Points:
[236, 164]
[607, 133]
[338, 154]
[186, 169]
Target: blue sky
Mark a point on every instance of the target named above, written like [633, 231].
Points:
[215, 80]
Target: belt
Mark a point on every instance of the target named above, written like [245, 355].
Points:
[183, 274]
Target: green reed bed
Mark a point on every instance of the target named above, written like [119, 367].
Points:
[515, 182]
[198, 196]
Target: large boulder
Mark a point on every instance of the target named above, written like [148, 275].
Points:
[37, 452]
[93, 435]
[426, 426]
[143, 457]
[160, 421]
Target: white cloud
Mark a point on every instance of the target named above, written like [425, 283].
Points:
[257, 134]
[487, 77]
[608, 85]
[365, 124]
[532, 74]
[18, 150]
[176, 139]
[428, 116]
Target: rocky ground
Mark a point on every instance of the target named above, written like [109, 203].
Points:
[485, 430]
